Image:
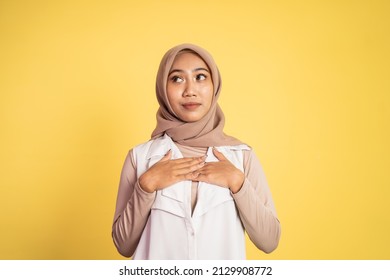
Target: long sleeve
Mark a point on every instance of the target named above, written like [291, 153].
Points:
[132, 210]
[256, 208]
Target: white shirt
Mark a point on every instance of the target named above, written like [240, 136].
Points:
[212, 231]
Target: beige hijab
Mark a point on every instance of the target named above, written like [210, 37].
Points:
[206, 132]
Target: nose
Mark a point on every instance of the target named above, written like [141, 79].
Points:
[190, 89]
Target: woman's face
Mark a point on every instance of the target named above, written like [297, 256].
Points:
[190, 87]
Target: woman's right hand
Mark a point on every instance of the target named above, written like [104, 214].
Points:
[169, 171]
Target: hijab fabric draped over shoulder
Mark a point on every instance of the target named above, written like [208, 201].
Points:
[206, 132]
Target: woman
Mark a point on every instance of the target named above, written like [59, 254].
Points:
[192, 191]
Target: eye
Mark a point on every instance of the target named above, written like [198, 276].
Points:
[201, 77]
[176, 79]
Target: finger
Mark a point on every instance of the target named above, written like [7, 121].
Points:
[167, 156]
[189, 168]
[191, 176]
[210, 167]
[218, 154]
[200, 177]
[188, 162]
[189, 159]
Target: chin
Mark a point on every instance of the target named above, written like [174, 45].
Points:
[190, 118]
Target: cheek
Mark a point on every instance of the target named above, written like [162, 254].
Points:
[172, 93]
[208, 92]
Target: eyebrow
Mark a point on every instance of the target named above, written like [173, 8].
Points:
[194, 70]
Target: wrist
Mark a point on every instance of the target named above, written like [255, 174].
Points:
[145, 184]
[237, 182]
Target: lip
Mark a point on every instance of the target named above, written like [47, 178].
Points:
[191, 105]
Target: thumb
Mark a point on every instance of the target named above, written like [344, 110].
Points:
[218, 154]
[167, 156]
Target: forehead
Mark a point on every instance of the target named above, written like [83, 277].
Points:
[188, 59]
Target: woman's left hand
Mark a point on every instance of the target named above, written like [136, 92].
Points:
[222, 173]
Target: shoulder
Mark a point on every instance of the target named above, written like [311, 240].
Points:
[142, 146]
[241, 148]
[239, 151]
[252, 162]
[151, 148]
[139, 151]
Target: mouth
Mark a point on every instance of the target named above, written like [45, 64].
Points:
[191, 105]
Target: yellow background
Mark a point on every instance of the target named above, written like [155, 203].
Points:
[305, 83]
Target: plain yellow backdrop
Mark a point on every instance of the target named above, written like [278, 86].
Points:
[305, 83]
